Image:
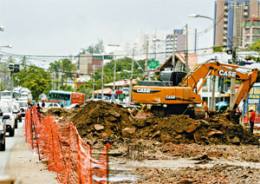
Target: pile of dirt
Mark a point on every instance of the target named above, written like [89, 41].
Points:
[182, 129]
[99, 120]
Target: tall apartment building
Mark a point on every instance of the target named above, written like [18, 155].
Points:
[175, 42]
[229, 18]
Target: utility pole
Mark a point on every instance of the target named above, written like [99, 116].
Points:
[146, 58]
[114, 72]
[93, 80]
[173, 50]
[213, 98]
[195, 40]
[131, 78]
[146, 50]
[102, 77]
[187, 49]
[114, 80]
[231, 45]
[233, 80]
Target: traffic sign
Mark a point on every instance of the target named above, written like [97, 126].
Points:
[153, 64]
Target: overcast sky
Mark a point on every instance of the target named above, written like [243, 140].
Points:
[63, 27]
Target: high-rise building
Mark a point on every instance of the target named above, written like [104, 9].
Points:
[229, 18]
[175, 42]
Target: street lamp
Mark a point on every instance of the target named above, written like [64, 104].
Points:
[201, 16]
[212, 103]
[2, 28]
[6, 46]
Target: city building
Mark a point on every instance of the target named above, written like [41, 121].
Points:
[229, 18]
[251, 32]
[88, 63]
[175, 42]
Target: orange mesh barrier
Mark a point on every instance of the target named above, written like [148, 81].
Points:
[60, 145]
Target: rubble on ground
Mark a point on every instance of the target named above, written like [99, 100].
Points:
[99, 120]
[224, 174]
[138, 135]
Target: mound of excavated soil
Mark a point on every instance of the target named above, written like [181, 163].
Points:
[99, 120]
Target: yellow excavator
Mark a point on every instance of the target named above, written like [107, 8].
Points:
[175, 91]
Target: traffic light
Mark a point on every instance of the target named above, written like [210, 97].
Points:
[15, 68]
[229, 51]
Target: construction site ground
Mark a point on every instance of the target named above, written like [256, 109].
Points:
[176, 149]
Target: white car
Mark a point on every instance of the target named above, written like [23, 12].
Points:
[23, 107]
[73, 106]
[10, 111]
[2, 133]
[52, 105]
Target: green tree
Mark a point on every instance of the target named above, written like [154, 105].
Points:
[86, 88]
[97, 48]
[255, 46]
[64, 68]
[34, 78]
[123, 71]
[218, 49]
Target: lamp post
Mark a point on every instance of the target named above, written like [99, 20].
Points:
[6, 46]
[203, 17]
[194, 15]
[102, 77]
[131, 77]
[211, 103]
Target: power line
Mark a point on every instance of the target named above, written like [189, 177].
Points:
[30, 56]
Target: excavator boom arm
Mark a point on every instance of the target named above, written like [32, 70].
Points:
[222, 70]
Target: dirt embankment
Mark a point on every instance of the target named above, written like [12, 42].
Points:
[97, 121]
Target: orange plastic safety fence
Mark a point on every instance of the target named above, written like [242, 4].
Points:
[64, 150]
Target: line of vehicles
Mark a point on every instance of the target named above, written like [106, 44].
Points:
[13, 105]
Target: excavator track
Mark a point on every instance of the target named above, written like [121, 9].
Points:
[169, 110]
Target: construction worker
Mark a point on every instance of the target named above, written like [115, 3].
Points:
[252, 115]
[206, 109]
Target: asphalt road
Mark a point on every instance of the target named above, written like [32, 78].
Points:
[5, 155]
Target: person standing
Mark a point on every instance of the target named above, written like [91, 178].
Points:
[252, 115]
[206, 109]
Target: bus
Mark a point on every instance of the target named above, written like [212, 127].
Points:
[66, 98]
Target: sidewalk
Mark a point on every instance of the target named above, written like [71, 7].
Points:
[24, 165]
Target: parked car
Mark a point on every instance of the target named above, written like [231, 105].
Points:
[221, 106]
[51, 105]
[73, 106]
[23, 107]
[10, 111]
[2, 133]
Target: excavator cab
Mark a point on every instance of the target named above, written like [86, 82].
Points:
[167, 78]
[174, 77]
